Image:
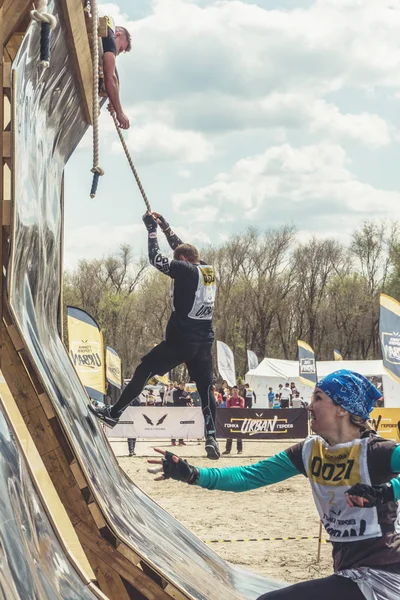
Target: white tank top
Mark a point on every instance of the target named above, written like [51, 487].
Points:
[332, 470]
[204, 300]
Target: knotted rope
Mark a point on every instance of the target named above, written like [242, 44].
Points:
[47, 22]
[96, 170]
[130, 161]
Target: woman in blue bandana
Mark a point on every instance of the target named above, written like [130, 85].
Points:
[354, 479]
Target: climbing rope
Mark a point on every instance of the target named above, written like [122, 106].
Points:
[96, 170]
[47, 22]
[130, 161]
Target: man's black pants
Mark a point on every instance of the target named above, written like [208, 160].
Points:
[165, 357]
[334, 587]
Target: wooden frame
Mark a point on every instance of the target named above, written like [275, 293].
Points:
[120, 572]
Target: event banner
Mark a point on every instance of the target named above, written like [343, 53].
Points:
[86, 350]
[389, 331]
[307, 366]
[113, 368]
[252, 360]
[386, 421]
[263, 424]
[226, 363]
[159, 422]
[337, 355]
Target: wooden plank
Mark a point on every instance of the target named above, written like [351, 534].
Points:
[44, 486]
[17, 378]
[78, 45]
[109, 581]
[134, 575]
[77, 472]
[47, 406]
[6, 144]
[14, 14]
[6, 73]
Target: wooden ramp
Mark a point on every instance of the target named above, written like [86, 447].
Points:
[135, 548]
[41, 553]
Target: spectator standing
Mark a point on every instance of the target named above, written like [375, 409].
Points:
[162, 394]
[277, 401]
[224, 391]
[286, 396]
[293, 389]
[234, 401]
[249, 396]
[271, 397]
[150, 398]
[132, 441]
[169, 395]
[181, 398]
[218, 396]
[296, 400]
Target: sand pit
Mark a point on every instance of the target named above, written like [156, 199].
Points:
[282, 510]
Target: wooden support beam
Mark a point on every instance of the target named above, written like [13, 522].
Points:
[14, 13]
[6, 144]
[78, 46]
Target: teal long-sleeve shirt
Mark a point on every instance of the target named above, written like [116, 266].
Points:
[266, 472]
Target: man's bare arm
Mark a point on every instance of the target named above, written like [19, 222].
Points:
[112, 88]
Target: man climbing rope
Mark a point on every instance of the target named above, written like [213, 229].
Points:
[189, 335]
[118, 40]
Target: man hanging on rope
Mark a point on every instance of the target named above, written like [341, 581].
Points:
[118, 40]
[189, 334]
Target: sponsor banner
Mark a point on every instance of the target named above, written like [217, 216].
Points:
[264, 424]
[86, 350]
[113, 368]
[159, 422]
[252, 360]
[226, 363]
[337, 355]
[307, 366]
[389, 331]
[386, 421]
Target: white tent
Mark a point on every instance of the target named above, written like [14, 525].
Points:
[273, 371]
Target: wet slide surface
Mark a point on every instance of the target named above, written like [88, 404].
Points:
[49, 125]
[33, 565]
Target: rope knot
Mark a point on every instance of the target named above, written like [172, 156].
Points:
[43, 17]
[98, 170]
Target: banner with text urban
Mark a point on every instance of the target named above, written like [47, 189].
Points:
[263, 424]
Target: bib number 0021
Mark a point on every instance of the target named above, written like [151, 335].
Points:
[331, 472]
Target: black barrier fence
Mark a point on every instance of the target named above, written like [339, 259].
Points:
[262, 424]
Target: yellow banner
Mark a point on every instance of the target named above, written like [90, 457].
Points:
[86, 350]
[386, 421]
[113, 368]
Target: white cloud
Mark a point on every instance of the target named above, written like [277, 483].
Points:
[284, 178]
[158, 142]
[96, 241]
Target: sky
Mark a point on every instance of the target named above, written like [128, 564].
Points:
[245, 113]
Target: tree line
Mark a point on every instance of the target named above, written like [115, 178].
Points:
[272, 291]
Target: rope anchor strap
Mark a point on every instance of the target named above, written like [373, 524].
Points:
[47, 22]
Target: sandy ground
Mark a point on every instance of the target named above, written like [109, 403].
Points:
[282, 510]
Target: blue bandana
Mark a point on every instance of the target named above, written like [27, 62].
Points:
[351, 391]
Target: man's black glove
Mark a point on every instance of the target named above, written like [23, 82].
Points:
[375, 494]
[181, 470]
[150, 222]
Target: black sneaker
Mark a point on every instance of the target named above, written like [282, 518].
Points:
[102, 412]
[212, 448]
